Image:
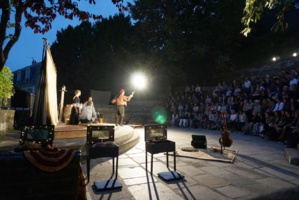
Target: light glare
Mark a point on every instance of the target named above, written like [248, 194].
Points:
[139, 81]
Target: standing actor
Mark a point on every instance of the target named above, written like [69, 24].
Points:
[121, 101]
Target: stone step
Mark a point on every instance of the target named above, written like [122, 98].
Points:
[292, 155]
[130, 143]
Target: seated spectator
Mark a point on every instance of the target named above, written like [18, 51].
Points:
[253, 124]
[293, 81]
[204, 121]
[228, 92]
[238, 102]
[233, 120]
[237, 90]
[247, 108]
[174, 119]
[216, 121]
[195, 108]
[268, 125]
[256, 93]
[197, 90]
[223, 108]
[187, 90]
[290, 120]
[241, 121]
[279, 105]
[270, 105]
[180, 107]
[201, 107]
[264, 105]
[211, 116]
[197, 120]
[257, 106]
[278, 120]
[191, 118]
[208, 100]
[247, 85]
[184, 119]
[292, 137]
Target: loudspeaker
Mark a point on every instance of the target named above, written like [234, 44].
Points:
[199, 141]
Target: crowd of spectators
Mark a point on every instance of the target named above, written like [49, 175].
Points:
[266, 107]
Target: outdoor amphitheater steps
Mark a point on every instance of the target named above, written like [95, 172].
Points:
[292, 155]
[128, 140]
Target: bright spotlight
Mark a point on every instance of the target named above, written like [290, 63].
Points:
[274, 59]
[139, 80]
[295, 54]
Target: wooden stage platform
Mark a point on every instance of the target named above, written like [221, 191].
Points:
[63, 131]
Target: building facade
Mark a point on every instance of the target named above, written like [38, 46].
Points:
[26, 79]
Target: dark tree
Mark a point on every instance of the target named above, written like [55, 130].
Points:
[38, 15]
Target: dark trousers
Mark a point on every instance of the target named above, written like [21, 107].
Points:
[120, 114]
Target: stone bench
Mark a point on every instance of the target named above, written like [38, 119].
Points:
[20, 179]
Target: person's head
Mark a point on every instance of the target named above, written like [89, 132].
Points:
[121, 91]
[77, 93]
[88, 103]
[90, 99]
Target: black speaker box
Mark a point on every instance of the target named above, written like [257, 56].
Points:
[199, 141]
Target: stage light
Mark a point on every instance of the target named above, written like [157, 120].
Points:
[139, 80]
[295, 54]
[274, 59]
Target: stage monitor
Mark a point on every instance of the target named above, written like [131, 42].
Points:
[41, 134]
[155, 132]
[100, 133]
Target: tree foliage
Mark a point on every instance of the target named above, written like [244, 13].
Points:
[38, 15]
[190, 34]
[6, 85]
[88, 56]
[254, 10]
[172, 41]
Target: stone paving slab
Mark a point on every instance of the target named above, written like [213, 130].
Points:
[260, 171]
[258, 165]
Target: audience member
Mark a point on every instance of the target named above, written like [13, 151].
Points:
[266, 106]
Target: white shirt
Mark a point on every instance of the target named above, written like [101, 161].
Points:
[278, 106]
[294, 81]
[233, 117]
[247, 84]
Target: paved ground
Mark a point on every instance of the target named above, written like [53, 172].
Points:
[260, 171]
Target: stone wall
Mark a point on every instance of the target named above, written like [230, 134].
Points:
[6, 121]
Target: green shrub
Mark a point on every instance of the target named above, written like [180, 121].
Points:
[6, 85]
